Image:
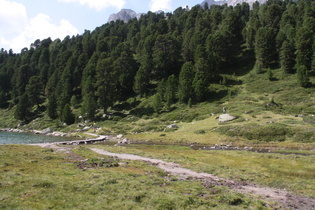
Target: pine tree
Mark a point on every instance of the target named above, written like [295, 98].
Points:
[287, 57]
[52, 106]
[34, 89]
[201, 79]
[171, 90]
[265, 48]
[157, 102]
[22, 108]
[3, 99]
[186, 76]
[303, 77]
[304, 46]
[66, 115]
[141, 81]
[89, 106]
[269, 74]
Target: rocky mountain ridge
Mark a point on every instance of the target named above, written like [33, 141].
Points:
[127, 14]
[124, 15]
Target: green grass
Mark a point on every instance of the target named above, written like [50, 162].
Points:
[292, 172]
[36, 178]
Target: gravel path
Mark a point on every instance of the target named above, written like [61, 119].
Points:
[282, 197]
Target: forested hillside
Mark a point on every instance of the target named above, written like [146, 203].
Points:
[174, 56]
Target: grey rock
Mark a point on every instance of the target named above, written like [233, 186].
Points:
[226, 118]
[124, 15]
[46, 131]
[86, 128]
[173, 126]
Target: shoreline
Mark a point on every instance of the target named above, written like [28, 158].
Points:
[49, 132]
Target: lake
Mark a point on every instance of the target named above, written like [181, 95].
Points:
[25, 138]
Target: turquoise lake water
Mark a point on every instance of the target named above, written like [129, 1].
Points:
[25, 138]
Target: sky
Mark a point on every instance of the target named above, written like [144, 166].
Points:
[24, 21]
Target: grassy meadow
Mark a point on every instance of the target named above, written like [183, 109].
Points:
[38, 178]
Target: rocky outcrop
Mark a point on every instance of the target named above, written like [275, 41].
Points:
[212, 2]
[231, 2]
[124, 15]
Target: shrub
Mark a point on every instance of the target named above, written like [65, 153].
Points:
[267, 133]
[200, 132]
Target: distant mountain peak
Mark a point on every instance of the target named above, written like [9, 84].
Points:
[124, 15]
[127, 14]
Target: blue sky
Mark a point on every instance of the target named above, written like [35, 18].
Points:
[24, 21]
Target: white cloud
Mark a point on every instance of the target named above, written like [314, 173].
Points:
[41, 27]
[12, 17]
[18, 31]
[99, 4]
[164, 5]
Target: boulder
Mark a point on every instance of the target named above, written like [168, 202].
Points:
[173, 126]
[123, 142]
[119, 136]
[86, 128]
[46, 131]
[226, 118]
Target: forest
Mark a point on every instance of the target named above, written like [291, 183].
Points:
[174, 57]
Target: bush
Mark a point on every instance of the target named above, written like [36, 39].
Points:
[200, 132]
[267, 133]
[117, 118]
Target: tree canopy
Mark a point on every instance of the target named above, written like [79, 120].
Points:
[188, 50]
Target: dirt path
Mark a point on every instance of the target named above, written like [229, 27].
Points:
[282, 197]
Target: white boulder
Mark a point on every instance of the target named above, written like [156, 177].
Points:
[226, 118]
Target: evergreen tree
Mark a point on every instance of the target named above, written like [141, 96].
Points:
[106, 83]
[269, 74]
[66, 115]
[201, 79]
[304, 46]
[287, 57]
[303, 77]
[3, 99]
[74, 101]
[157, 102]
[22, 108]
[166, 57]
[22, 79]
[89, 106]
[34, 89]
[52, 106]
[265, 48]
[186, 76]
[141, 82]
[171, 90]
